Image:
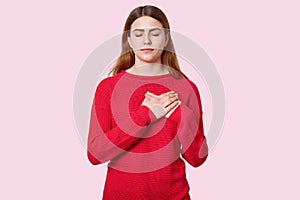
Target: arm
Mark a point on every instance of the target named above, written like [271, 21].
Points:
[191, 132]
[103, 139]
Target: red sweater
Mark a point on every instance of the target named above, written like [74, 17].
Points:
[144, 152]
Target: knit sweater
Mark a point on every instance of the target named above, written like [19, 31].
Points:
[143, 151]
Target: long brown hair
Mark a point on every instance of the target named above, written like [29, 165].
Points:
[127, 59]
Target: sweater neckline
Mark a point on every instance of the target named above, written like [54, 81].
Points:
[145, 77]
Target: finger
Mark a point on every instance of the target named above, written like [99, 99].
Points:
[167, 94]
[172, 105]
[150, 94]
[172, 110]
[171, 97]
[170, 92]
[169, 101]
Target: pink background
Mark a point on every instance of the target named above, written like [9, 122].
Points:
[254, 45]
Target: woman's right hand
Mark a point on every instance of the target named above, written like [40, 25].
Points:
[162, 104]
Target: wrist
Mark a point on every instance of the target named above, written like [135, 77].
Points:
[143, 116]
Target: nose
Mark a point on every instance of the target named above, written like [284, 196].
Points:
[147, 39]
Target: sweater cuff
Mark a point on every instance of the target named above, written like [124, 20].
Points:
[144, 116]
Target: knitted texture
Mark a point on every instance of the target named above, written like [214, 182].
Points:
[146, 155]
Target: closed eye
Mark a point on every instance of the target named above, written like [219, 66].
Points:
[155, 34]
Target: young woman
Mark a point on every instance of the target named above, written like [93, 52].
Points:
[143, 114]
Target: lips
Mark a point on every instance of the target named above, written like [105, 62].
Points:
[147, 49]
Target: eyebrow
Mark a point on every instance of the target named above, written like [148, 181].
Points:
[153, 29]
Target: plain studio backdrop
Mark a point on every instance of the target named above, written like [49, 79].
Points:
[254, 45]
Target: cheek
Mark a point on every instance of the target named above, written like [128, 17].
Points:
[158, 42]
[136, 43]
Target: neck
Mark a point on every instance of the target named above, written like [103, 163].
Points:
[151, 69]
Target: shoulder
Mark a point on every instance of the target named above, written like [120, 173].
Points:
[194, 86]
[191, 86]
[108, 83]
[184, 80]
[195, 91]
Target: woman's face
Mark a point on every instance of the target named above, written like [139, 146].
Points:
[147, 39]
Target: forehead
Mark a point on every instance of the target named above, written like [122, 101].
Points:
[146, 22]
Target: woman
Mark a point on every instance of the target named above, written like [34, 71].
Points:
[144, 113]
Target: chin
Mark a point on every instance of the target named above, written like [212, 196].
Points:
[149, 57]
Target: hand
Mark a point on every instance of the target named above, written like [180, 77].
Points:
[163, 104]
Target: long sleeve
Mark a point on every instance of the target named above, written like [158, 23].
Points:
[105, 142]
[191, 132]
